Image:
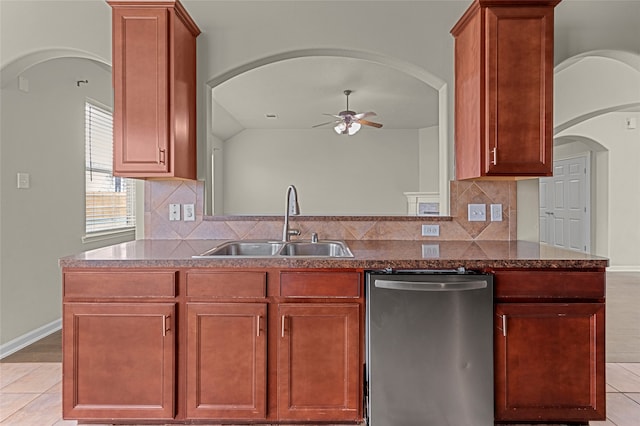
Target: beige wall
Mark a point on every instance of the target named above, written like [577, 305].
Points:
[43, 135]
[595, 93]
[366, 173]
[596, 120]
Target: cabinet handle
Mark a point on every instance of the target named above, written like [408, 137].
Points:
[504, 325]
[165, 322]
[283, 325]
[495, 156]
[258, 325]
[163, 156]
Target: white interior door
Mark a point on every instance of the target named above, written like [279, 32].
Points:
[564, 205]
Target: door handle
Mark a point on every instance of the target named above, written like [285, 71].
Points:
[431, 286]
[258, 326]
[165, 324]
[283, 317]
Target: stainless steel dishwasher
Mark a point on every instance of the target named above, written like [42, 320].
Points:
[429, 348]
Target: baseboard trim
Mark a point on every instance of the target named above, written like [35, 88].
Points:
[28, 338]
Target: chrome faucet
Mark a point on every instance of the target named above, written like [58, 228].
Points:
[292, 208]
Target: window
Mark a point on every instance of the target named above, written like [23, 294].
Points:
[109, 200]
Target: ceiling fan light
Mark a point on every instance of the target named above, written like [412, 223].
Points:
[353, 128]
[340, 128]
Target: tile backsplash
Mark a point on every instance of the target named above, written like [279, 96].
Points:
[159, 194]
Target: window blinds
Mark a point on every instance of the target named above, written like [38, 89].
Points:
[109, 200]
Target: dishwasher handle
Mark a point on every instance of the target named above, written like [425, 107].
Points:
[431, 285]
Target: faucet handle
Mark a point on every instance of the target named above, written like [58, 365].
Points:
[314, 237]
[293, 232]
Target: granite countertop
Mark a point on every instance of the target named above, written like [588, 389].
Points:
[368, 254]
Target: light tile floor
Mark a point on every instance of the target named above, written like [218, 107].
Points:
[30, 395]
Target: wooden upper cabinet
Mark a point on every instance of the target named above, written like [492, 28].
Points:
[154, 78]
[504, 89]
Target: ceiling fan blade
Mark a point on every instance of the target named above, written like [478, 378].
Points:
[370, 123]
[328, 122]
[333, 115]
[364, 114]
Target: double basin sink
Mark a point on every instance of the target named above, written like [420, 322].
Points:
[266, 248]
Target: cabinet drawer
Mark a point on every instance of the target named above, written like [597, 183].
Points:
[549, 285]
[320, 284]
[120, 284]
[227, 284]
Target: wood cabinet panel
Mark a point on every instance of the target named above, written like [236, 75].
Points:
[226, 360]
[549, 284]
[119, 361]
[319, 362]
[226, 284]
[154, 78]
[549, 362]
[141, 109]
[320, 284]
[504, 89]
[120, 284]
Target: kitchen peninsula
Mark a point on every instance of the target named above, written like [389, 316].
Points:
[241, 340]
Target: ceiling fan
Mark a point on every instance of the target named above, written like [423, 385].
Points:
[348, 122]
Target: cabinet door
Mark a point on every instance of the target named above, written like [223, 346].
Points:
[319, 362]
[549, 362]
[226, 360]
[119, 361]
[519, 91]
[141, 91]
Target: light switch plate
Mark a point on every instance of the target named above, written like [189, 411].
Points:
[496, 212]
[477, 212]
[23, 180]
[174, 211]
[188, 212]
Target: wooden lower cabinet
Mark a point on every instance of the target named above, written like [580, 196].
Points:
[319, 362]
[119, 361]
[549, 362]
[226, 360]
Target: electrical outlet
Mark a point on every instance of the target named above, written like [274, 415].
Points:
[174, 211]
[430, 230]
[477, 212]
[430, 251]
[188, 212]
[496, 212]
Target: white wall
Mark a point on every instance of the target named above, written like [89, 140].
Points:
[594, 95]
[428, 157]
[623, 186]
[260, 164]
[43, 25]
[43, 135]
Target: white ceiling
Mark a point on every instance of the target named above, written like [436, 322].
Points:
[299, 91]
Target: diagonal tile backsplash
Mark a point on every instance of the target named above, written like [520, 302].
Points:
[160, 193]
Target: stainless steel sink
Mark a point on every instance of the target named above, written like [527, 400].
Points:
[265, 248]
[320, 248]
[245, 248]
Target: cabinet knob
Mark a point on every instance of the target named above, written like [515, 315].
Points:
[163, 156]
[495, 156]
